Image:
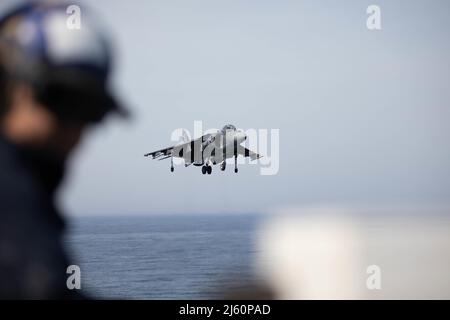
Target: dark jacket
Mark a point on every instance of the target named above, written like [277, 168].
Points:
[33, 262]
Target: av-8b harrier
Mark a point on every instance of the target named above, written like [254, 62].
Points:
[209, 150]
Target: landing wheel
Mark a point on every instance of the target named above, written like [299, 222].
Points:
[209, 169]
[172, 169]
[235, 170]
[204, 170]
[223, 166]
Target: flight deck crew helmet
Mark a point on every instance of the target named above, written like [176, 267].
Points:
[68, 68]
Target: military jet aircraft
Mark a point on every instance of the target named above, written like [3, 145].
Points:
[208, 150]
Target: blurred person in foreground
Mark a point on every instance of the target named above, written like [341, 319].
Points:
[53, 85]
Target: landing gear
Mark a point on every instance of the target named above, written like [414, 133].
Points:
[235, 164]
[171, 164]
[207, 169]
[223, 165]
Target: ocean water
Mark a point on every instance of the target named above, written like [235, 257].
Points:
[162, 257]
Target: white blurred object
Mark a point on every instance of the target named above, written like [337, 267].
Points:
[327, 254]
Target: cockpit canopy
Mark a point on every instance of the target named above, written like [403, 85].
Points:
[228, 127]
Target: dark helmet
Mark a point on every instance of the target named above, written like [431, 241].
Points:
[68, 67]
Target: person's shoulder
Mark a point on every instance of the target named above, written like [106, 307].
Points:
[18, 187]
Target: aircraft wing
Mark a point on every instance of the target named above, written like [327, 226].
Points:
[248, 153]
[180, 150]
[160, 153]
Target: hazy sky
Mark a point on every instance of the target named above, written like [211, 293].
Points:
[363, 115]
